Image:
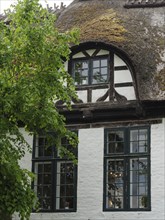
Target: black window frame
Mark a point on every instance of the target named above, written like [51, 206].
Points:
[90, 68]
[127, 156]
[54, 159]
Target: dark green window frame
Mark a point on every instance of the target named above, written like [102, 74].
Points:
[127, 169]
[94, 70]
[56, 178]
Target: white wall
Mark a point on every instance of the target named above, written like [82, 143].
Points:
[90, 179]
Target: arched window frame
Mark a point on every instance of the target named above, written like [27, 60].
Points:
[110, 82]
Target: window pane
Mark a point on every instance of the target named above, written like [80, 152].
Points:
[96, 63]
[104, 62]
[104, 71]
[43, 184]
[90, 71]
[42, 149]
[114, 183]
[100, 71]
[126, 174]
[97, 77]
[115, 142]
[139, 141]
[138, 181]
[81, 72]
[65, 185]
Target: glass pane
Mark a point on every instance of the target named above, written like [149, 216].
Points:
[46, 204]
[81, 72]
[138, 181]
[96, 63]
[42, 149]
[66, 202]
[143, 134]
[98, 76]
[46, 179]
[104, 62]
[84, 72]
[114, 183]
[84, 65]
[134, 147]
[103, 71]
[139, 141]
[134, 135]
[47, 191]
[43, 184]
[115, 142]
[47, 168]
[65, 185]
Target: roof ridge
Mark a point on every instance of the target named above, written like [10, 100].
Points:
[144, 3]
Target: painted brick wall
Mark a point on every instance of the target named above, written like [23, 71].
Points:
[90, 179]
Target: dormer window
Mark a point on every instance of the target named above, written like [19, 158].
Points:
[90, 71]
[101, 74]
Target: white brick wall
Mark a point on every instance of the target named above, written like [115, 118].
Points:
[90, 179]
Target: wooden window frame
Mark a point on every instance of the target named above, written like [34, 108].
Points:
[126, 156]
[90, 69]
[54, 159]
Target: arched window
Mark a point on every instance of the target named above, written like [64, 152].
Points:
[102, 73]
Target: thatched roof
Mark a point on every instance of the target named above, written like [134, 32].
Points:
[139, 32]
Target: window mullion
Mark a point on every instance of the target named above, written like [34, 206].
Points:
[54, 182]
[126, 182]
[90, 71]
[111, 70]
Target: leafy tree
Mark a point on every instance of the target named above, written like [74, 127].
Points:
[32, 79]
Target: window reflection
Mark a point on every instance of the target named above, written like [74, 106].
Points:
[65, 185]
[115, 184]
[139, 141]
[91, 71]
[138, 181]
[115, 141]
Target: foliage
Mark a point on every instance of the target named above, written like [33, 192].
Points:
[32, 79]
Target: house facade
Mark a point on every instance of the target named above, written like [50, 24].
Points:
[119, 73]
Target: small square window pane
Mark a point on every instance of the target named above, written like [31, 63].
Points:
[84, 65]
[116, 136]
[47, 179]
[40, 151]
[46, 203]
[104, 71]
[115, 141]
[66, 203]
[144, 201]
[134, 135]
[134, 147]
[143, 134]
[104, 62]
[39, 191]
[47, 191]
[134, 202]
[84, 73]
[41, 141]
[69, 190]
[96, 63]
[47, 168]
[40, 179]
[142, 189]
[40, 168]
[78, 65]
[143, 146]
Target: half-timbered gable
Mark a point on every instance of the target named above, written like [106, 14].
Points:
[119, 75]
